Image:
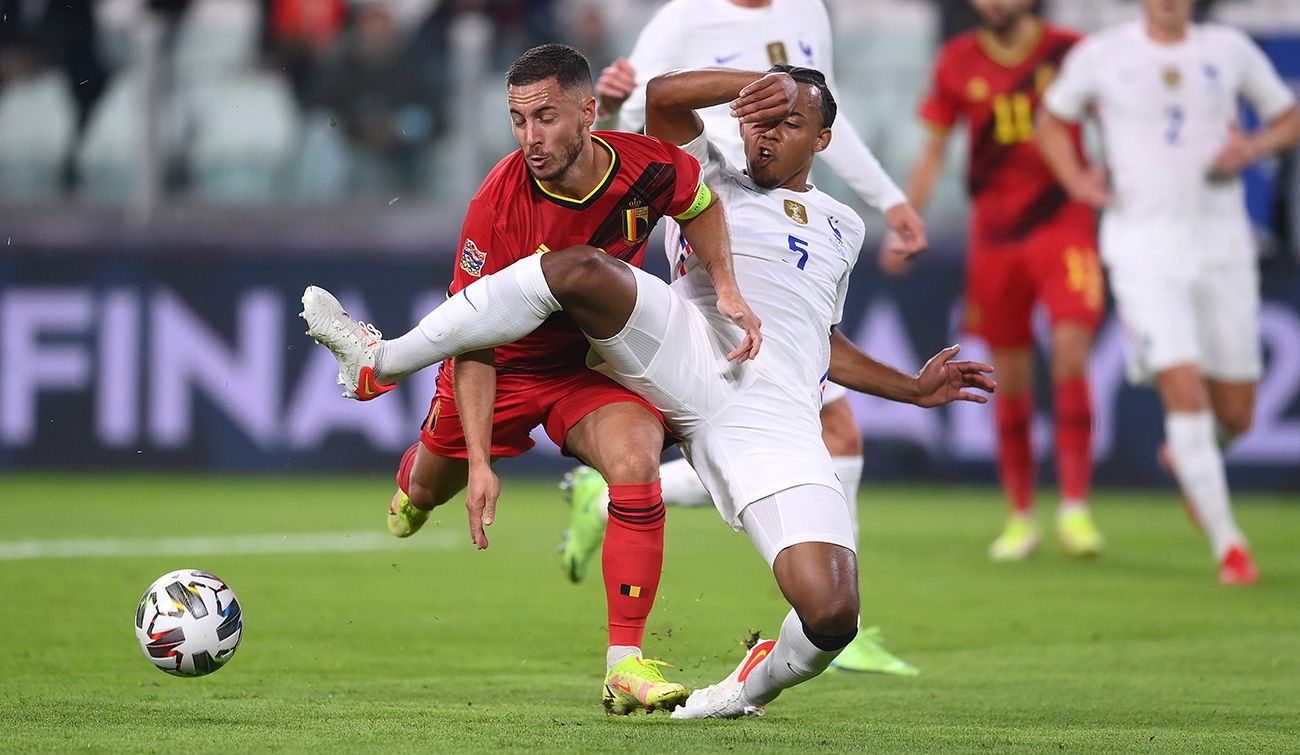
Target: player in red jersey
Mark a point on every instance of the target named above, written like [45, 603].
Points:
[565, 186]
[1029, 242]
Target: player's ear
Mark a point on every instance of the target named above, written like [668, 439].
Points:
[822, 141]
[589, 111]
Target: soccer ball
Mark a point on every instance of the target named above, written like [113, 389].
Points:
[188, 623]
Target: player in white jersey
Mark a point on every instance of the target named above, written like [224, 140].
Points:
[1175, 237]
[750, 35]
[750, 426]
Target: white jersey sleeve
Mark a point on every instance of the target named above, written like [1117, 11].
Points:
[1260, 84]
[1075, 86]
[847, 154]
[657, 50]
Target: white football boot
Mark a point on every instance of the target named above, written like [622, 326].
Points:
[355, 344]
[726, 699]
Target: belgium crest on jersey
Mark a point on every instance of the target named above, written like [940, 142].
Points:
[636, 223]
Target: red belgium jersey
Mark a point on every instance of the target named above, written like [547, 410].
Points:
[997, 91]
[512, 216]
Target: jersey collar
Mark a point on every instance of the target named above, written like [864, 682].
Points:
[1009, 57]
[594, 194]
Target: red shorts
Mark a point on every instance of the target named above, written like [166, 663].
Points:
[1056, 264]
[557, 401]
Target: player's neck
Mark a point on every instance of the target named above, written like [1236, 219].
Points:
[1017, 35]
[751, 3]
[584, 175]
[1166, 34]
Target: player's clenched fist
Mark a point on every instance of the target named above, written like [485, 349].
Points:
[615, 85]
[770, 98]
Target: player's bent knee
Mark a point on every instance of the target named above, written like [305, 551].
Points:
[574, 270]
[637, 466]
[833, 617]
[1237, 421]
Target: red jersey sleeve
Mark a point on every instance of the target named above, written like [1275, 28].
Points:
[478, 238]
[942, 105]
[686, 183]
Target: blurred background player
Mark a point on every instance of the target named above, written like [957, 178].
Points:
[562, 186]
[1175, 235]
[750, 35]
[1029, 243]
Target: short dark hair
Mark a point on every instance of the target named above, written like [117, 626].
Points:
[812, 77]
[569, 67]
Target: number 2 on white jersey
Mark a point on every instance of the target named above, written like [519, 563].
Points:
[1174, 127]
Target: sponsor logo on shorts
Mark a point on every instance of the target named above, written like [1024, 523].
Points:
[472, 258]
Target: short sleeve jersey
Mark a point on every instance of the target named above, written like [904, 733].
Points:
[996, 92]
[793, 252]
[1165, 112]
[512, 216]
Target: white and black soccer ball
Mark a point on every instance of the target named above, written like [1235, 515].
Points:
[189, 623]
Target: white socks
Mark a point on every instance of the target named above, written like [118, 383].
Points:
[794, 660]
[849, 470]
[616, 653]
[494, 310]
[1198, 462]
[681, 486]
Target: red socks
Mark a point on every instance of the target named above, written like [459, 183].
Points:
[1074, 438]
[632, 558]
[1015, 456]
[404, 468]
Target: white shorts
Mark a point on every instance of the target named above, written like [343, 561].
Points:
[804, 514]
[746, 434]
[1196, 313]
[833, 392]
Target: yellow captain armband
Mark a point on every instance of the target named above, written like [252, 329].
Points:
[703, 198]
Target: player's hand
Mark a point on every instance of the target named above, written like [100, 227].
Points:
[1236, 155]
[894, 257]
[733, 305]
[908, 227]
[615, 85]
[481, 496]
[942, 381]
[1090, 188]
[768, 99]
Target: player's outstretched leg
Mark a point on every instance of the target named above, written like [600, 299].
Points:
[820, 579]
[598, 293]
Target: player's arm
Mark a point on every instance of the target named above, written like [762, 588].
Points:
[475, 376]
[1065, 102]
[939, 382]
[895, 257]
[1275, 102]
[706, 232]
[672, 99]
[853, 161]
[1057, 147]
[620, 88]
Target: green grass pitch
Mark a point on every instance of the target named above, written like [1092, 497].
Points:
[443, 648]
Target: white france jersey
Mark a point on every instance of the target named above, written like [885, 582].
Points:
[793, 252]
[1165, 112]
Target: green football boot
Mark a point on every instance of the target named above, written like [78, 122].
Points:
[587, 496]
[866, 654]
